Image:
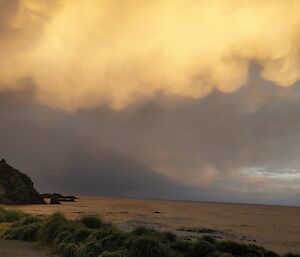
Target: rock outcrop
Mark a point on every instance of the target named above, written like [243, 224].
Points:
[60, 197]
[54, 200]
[17, 187]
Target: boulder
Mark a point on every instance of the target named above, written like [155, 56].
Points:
[17, 187]
[54, 200]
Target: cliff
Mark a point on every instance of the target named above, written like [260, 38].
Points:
[17, 187]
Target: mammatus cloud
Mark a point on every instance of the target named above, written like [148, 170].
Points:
[81, 54]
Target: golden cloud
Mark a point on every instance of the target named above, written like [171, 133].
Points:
[81, 54]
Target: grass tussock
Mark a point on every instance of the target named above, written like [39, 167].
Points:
[146, 247]
[10, 215]
[25, 227]
[52, 227]
[162, 237]
[181, 246]
[91, 221]
[90, 249]
[27, 232]
[91, 237]
[203, 248]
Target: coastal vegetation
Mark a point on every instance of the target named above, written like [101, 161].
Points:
[91, 237]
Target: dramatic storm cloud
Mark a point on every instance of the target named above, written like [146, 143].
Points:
[233, 147]
[81, 54]
[178, 99]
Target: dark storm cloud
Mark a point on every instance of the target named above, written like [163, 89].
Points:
[55, 150]
[225, 147]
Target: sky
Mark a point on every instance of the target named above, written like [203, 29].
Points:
[184, 99]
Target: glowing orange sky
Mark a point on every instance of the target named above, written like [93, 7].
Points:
[80, 54]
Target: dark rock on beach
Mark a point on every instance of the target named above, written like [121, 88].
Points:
[16, 187]
[46, 196]
[54, 198]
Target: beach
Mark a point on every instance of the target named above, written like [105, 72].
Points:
[10, 248]
[275, 227]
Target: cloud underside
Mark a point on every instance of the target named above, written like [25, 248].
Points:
[82, 54]
[223, 147]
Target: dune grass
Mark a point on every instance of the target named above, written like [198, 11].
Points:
[91, 237]
[91, 221]
[9, 215]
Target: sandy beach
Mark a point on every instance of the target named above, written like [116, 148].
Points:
[274, 227]
[21, 249]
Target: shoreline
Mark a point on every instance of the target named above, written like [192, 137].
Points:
[91, 236]
[245, 223]
[186, 200]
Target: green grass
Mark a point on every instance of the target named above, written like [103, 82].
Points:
[52, 227]
[25, 227]
[114, 241]
[90, 249]
[203, 248]
[68, 250]
[181, 246]
[162, 237]
[146, 247]
[91, 237]
[9, 215]
[118, 253]
[27, 232]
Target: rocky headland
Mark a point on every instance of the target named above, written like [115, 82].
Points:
[16, 187]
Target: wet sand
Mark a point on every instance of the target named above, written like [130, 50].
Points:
[275, 227]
